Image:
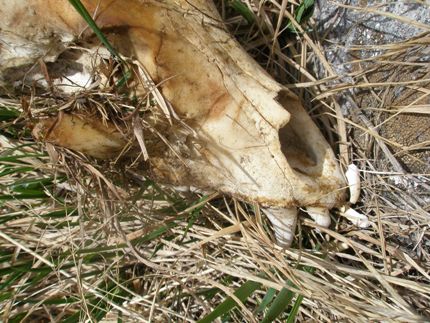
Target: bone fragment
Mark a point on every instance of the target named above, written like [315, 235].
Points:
[89, 136]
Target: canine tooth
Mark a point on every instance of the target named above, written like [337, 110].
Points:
[358, 219]
[284, 224]
[353, 177]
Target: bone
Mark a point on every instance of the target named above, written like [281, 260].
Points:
[358, 219]
[353, 177]
[320, 215]
[251, 138]
[284, 224]
[86, 135]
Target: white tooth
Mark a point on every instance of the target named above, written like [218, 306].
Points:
[353, 177]
[358, 219]
[284, 224]
[320, 215]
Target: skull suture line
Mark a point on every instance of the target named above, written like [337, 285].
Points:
[253, 140]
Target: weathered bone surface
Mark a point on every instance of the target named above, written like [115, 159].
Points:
[253, 140]
[85, 135]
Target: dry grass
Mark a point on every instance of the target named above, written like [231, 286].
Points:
[121, 246]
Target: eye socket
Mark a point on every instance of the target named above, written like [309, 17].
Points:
[298, 153]
[302, 144]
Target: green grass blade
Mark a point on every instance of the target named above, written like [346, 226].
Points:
[80, 8]
[26, 196]
[8, 114]
[243, 10]
[304, 11]
[194, 215]
[126, 73]
[209, 293]
[16, 158]
[295, 310]
[271, 293]
[279, 305]
[18, 318]
[99, 308]
[4, 297]
[242, 293]
[15, 170]
[60, 213]
[32, 184]
[9, 280]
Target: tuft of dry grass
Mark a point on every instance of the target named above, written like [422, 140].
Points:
[98, 240]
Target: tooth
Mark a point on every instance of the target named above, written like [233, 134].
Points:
[284, 224]
[353, 177]
[358, 219]
[320, 215]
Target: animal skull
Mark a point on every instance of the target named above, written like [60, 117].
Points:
[252, 139]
